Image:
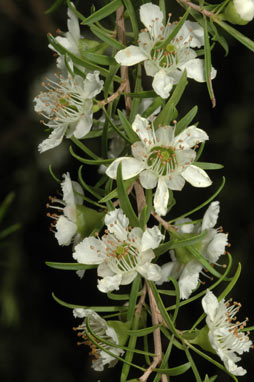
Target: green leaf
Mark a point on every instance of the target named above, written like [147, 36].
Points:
[95, 308]
[103, 12]
[204, 262]
[69, 266]
[118, 296]
[172, 244]
[84, 148]
[208, 62]
[193, 366]
[9, 230]
[236, 34]
[109, 80]
[232, 283]
[53, 174]
[208, 166]
[98, 341]
[168, 112]
[174, 31]
[100, 59]
[186, 120]
[143, 94]
[203, 204]
[6, 204]
[219, 38]
[162, 6]
[80, 61]
[132, 14]
[124, 199]
[104, 37]
[135, 105]
[143, 217]
[114, 194]
[116, 128]
[156, 103]
[89, 161]
[164, 362]
[175, 371]
[53, 7]
[143, 332]
[88, 188]
[127, 127]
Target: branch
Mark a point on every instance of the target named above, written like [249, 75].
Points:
[163, 222]
[156, 319]
[140, 195]
[197, 8]
[121, 88]
[124, 69]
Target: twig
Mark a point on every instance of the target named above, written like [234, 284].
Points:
[197, 8]
[163, 222]
[124, 69]
[121, 88]
[141, 300]
[156, 319]
[140, 195]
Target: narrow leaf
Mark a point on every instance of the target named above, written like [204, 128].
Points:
[174, 31]
[236, 34]
[208, 166]
[53, 7]
[132, 14]
[103, 12]
[124, 199]
[104, 37]
[95, 308]
[127, 127]
[186, 120]
[89, 161]
[100, 59]
[174, 371]
[208, 63]
[69, 266]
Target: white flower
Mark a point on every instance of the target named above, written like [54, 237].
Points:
[162, 159]
[225, 333]
[166, 64]
[121, 253]
[70, 40]
[185, 268]
[65, 226]
[67, 107]
[100, 327]
[245, 9]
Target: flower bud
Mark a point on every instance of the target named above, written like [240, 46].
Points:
[239, 12]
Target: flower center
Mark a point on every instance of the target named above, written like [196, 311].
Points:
[162, 160]
[165, 57]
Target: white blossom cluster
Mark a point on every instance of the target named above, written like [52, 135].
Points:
[161, 160]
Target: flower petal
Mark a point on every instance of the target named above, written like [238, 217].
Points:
[190, 137]
[54, 139]
[196, 69]
[196, 32]
[65, 230]
[151, 16]
[188, 280]
[210, 304]
[196, 176]
[151, 68]
[139, 151]
[89, 251]
[172, 268]
[130, 168]
[109, 283]
[92, 85]
[84, 125]
[129, 56]
[150, 271]
[211, 216]
[162, 84]
[165, 135]
[148, 179]
[175, 182]
[117, 223]
[142, 128]
[216, 247]
[151, 238]
[161, 197]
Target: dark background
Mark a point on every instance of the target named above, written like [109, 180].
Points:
[37, 342]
